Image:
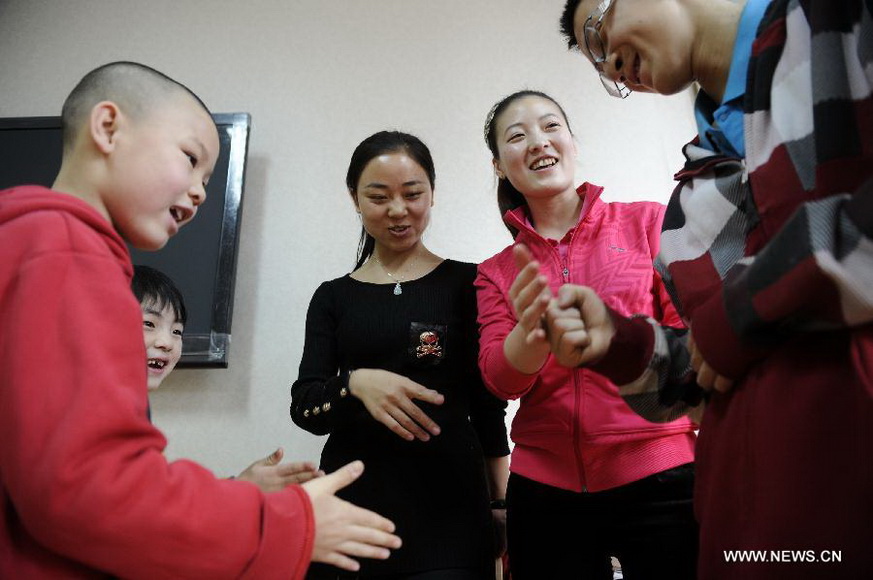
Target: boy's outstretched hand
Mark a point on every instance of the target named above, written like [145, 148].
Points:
[270, 474]
[580, 328]
[344, 531]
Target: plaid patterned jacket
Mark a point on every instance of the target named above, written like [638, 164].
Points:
[759, 249]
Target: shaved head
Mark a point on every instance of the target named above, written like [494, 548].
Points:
[132, 86]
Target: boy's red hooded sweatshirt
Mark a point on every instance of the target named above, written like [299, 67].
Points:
[85, 490]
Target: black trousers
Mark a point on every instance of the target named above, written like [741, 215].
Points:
[647, 524]
[445, 574]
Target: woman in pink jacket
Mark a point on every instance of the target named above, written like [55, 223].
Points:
[583, 460]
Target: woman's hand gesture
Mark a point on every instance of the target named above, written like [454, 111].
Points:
[530, 296]
[389, 398]
[527, 347]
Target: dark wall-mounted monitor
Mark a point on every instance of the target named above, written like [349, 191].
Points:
[201, 258]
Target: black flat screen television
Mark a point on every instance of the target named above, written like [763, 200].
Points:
[201, 258]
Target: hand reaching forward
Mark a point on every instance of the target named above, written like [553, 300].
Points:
[270, 474]
[344, 531]
[580, 327]
[389, 399]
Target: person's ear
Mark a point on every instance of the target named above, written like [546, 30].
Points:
[498, 170]
[354, 195]
[103, 125]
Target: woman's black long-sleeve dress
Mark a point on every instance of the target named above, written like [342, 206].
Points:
[435, 491]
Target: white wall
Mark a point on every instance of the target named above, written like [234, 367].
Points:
[318, 76]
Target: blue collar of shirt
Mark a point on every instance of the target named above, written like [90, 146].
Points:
[721, 127]
[751, 17]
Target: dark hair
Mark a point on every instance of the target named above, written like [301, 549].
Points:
[131, 85]
[509, 198]
[373, 146]
[567, 20]
[154, 288]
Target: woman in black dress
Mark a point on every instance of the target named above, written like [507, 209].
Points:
[389, 371]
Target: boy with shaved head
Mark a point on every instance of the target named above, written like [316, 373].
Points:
[767, 246]
[85, 490]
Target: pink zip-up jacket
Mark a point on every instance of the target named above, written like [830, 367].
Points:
[572, 429]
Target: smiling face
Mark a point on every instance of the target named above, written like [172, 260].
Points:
[647, 43]
[535, 147]
[163, 341]
[160, 163]
[394, 197]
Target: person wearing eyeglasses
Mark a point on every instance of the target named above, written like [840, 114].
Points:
[583, 461]
[767, 248]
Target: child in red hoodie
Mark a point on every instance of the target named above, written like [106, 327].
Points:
[85, 490]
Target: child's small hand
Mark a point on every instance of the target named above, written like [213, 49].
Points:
[270, 474]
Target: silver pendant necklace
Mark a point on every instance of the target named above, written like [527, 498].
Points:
[398, 290]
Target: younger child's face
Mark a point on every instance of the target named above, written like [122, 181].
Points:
[161, 164]
[163, 342]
